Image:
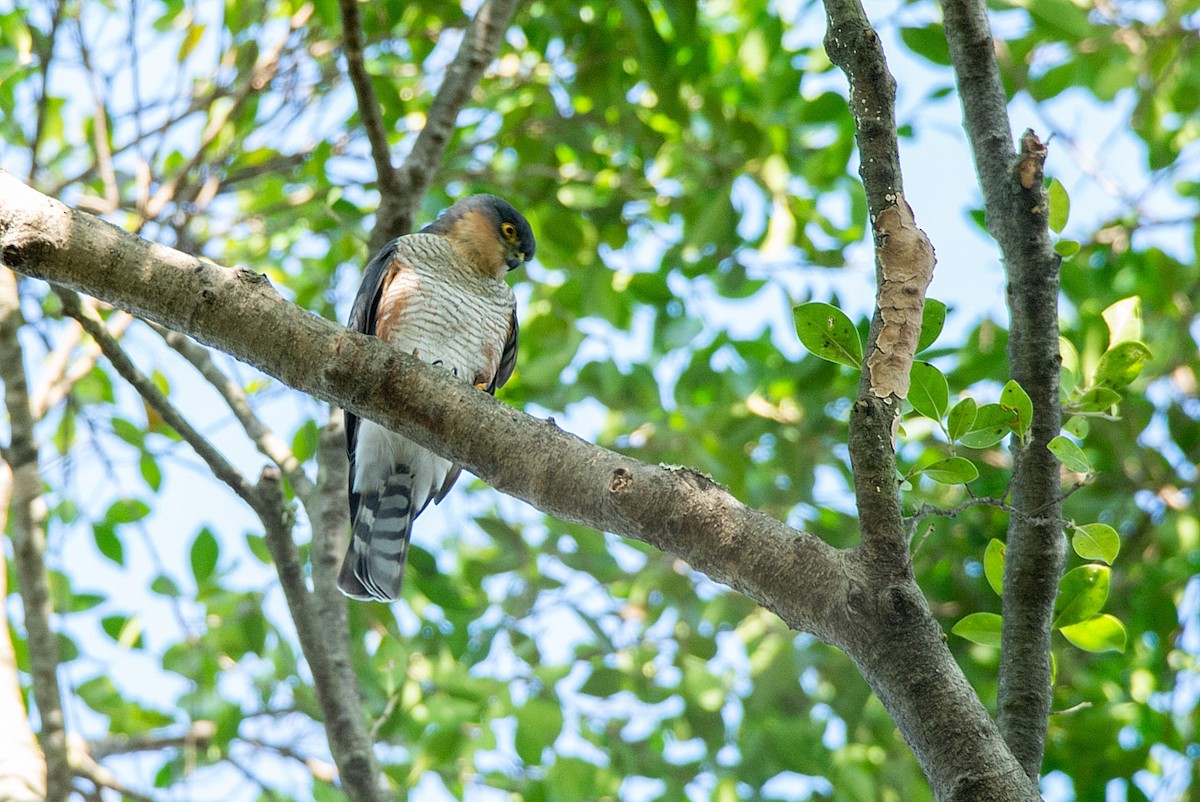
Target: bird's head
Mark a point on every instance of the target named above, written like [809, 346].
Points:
[490, 231]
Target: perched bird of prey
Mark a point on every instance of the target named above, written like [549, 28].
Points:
[439, 295]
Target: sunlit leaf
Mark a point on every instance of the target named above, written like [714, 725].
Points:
[1121, 364]
[828, 333]
[1103, 633]
[1081, 594]
[993, 565]
[1096, 542]
[1124, 321]
[1060, 206]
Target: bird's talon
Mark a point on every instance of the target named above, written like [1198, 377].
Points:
[417, 353]
[480, 385]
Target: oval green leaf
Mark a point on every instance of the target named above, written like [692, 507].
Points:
[1121, 364]
[952, 471]
[826, 332]
[928, 392]
[981, 628]
[1066, 248]
[1069, 454]
[1060, 206]
[1124, 321]
[1097, 399]
[1081, 594]
[962, 417]
[1096, 542]
[1104, 633]
[993, 565]
[992, 424]
[204, 555]
[1014, 398]
[933, 318]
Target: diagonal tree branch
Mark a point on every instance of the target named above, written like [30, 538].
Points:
[268, 442]
[1016, 205]
[836, 595]
[480, 45]
[221, 467]
[28, 530]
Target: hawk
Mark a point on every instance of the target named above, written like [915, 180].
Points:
[439, 295]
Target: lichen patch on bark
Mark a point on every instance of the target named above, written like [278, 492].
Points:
[906, 266]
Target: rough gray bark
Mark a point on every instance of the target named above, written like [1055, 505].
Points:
[22, 767]
[28, 531]
[869, 607]
[1016, 206]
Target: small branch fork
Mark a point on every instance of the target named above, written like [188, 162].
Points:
[401, 189]
[327, 651]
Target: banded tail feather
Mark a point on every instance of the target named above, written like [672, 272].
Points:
[374, 564]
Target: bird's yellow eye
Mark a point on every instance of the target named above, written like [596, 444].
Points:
[509, 231]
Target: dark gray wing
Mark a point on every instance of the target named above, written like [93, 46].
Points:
[508, 357]
[362, 319]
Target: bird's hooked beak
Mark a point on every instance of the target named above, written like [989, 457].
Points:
[515, 260]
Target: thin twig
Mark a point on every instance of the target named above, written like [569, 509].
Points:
[221, 468]
[47, 56]
[368, 102]
[268, 443]
[480, 45]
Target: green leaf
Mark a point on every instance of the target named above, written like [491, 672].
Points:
[993, 565]
[190, 40]
[1060, 206]
[1104, 633]
[952, 471]
[981, 628]
[538, 724]
[150, 471]
[1124, 321]
[828, 333]
[163, 585]
[1069, 454]
[933, 318]
[1014, 398]
[108, 542]
[1097, 399]
[962, 417]
[1121, 364]
[1096, 542]
[1081, 594]
[126, 511]
[304, 444]
[992, 424]
[205, 552]
[928, 392]
[1077, 426]
[1066, 248]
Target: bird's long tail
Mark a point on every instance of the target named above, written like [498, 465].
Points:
[374, 564]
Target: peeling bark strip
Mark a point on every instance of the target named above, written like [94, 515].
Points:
[906, 261]
[1031, 164]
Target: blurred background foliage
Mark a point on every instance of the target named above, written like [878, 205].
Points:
[689, 170]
